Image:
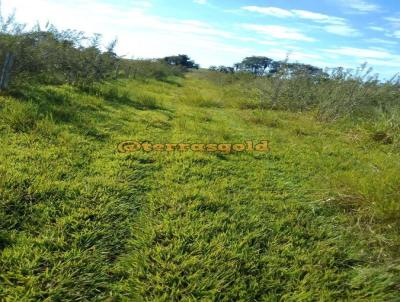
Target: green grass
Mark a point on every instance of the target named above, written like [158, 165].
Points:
[315, 219]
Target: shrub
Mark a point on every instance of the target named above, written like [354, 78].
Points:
[334, 94]
[50, 56]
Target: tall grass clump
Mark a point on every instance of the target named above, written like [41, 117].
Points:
[20, 117]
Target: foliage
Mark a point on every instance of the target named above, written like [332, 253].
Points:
[334, 93]
[261, 66]
[149, 69]
[255, 65]
[181, 60]
[50, 56]
[223, 69]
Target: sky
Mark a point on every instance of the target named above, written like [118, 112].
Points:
[324, 33]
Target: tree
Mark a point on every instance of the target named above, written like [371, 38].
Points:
[181, 60]
[254, 64]
[275, 67]
[223, 69]
[305, 69]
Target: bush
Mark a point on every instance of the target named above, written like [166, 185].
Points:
[50, 56]
[333, 94]
[142, 69]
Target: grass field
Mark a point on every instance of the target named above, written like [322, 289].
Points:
[314, 219]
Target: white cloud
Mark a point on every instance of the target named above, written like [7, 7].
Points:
[361, 6]
[202, 2]
[191, 26]
[376, 28]
[303, 14]
[293, 54]
[272, 11]
[397, 34]
[380, 41]
[267, 42]
[394, 20]
[361, 53]
[279, 32]
[143, 3]
[393, 65]
[334, 25]
[317, 17]
[108, 19]
[341, 30]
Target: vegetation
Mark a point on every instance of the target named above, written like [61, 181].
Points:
[333, 93]
[181, 60]
[315, 219]
[264, 66]
[50, 56]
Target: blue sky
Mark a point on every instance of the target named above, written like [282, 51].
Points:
[221, 32]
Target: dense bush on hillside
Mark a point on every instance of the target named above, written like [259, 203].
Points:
[54, 57]
[142, 69]
[50, 56]
[333, 93]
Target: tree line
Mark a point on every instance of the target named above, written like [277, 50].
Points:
[264, 66]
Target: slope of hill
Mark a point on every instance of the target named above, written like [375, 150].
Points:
[314, 219]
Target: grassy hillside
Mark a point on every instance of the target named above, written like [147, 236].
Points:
[314, 219]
